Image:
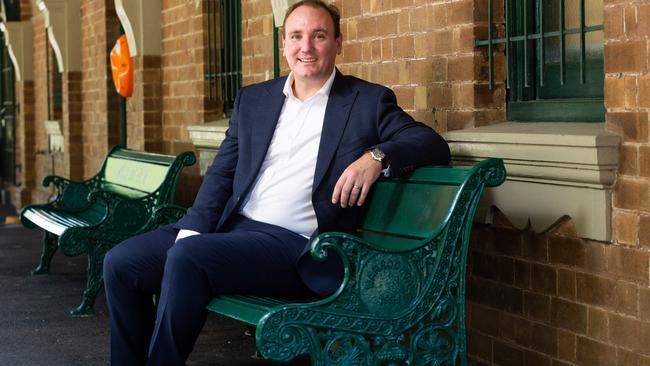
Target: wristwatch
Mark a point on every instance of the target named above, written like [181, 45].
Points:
[380, 156]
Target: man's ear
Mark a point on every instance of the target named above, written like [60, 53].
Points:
[339, 44]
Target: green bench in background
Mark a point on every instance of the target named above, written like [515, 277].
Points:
[132, 193]
[402, 300]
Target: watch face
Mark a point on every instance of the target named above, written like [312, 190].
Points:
[378, 154]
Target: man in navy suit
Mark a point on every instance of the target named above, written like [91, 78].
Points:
[299, 158]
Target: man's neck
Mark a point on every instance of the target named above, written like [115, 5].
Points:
[304, 89]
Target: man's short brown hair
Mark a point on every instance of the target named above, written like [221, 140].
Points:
[332, 10]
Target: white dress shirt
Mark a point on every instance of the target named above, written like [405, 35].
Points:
[282, 193]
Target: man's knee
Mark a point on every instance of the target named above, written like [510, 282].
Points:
[114, 260]
[182, 254]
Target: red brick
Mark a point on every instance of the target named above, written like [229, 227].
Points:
[483, 319]
[569, 315]
[632, 126]
[532, 358]
[566, 283]
[595, 290]
[644, 231]
[460, 12]
[544, 339]
[632, 194]
[522, 274]
[627, 298]
[628, 263]
[613, 22]
[593, 353]
[567, 346]
[507, 355]
[628, 162]
[479, 345]
[566, 250]
[495, 295]
[644, 19]
[628, 56]
[630, 333]
[544, 279]
[537, 306]
[598, 324]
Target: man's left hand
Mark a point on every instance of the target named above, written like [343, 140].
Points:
[355, 182]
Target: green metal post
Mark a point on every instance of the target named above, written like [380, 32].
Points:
[582, 42]
[562, 45]
[490, 60]
[276, 51]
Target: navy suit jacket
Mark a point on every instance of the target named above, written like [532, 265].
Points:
[359, 116]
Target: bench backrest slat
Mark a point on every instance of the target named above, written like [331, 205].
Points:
[403, 212]
[133, 178]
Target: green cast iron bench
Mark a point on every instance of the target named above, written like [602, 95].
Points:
[402, 300]
[132, 193]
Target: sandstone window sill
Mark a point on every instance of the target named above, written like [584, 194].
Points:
[207, 138]
[55, 139]
[554, 169]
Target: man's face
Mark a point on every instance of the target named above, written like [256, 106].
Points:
[310, 45]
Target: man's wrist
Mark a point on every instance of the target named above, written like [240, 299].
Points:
[379, 156]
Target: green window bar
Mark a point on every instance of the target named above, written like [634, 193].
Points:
[224, 71]
[522, 35]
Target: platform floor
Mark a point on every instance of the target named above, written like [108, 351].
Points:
[36, 330]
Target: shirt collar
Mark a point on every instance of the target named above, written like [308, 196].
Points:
[324, 90]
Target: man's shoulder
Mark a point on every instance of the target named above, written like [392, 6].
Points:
[362, 85]
[264, 86]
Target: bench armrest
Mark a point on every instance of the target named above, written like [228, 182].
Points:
[167, 214]
[70, 194]
[135, 214]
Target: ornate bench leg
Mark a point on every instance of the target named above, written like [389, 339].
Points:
[94, 281]
[49, 248]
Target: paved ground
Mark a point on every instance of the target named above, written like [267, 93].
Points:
[35, 329]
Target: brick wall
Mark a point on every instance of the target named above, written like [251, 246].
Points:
[144, 107]
[552, 298]
[184, 89]
[99, 112]
[43, 164]
[25, 139]
[73, 125]
[627, 99]
[555, 299]
[185, 100]
[257, 41]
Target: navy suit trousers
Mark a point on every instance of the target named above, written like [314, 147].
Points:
[248, 257]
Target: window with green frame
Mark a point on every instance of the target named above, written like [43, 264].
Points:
[554, 52]
[224, 71]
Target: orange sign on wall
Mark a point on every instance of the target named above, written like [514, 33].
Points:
[122, 67]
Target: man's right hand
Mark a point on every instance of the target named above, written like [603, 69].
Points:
[355, 182]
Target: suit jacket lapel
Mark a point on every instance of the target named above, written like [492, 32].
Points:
[269, 109]
[337, 112]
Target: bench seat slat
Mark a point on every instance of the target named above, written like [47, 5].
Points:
[248, 309]
[67, 221]
[56, 223]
